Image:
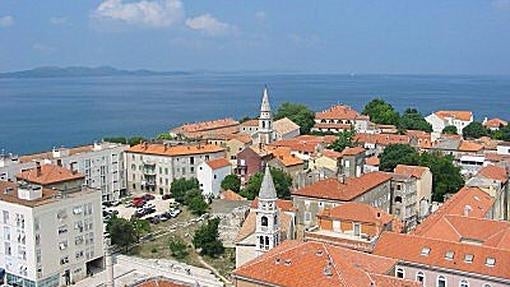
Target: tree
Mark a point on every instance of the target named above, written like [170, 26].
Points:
[121, 140]
[197, 205]
[450, 130]
[381, 112]
[122, 232]
[474, 130]
[181, 186]
[282, 184]
[300, 114]
[178, 248]
[231, 182]
[397, 154]
[344, 139]
[446, 177]
[141, 227]
[502, 134]
[164, 136]
[413, 120]
[135, 140]
[206, 239]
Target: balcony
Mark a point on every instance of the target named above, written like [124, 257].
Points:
[149, 171]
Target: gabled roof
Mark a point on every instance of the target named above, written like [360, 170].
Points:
[382, 139]
[470, 229]
[332, 154]
[285, 125]
[284, 155]
[373, 160]
[300, 264]
[49, 174]
[206, 125]
[218, 163]
[470, 146]
[470, 201]
[459, 115]
[304, 143]
[359, 212]
[178, 150]
[495, 123]
[351, 151]
[411, 170]
[433, 254]
[342, 112]
[494, 172]
[352, 187]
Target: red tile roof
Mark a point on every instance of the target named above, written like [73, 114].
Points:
[494, 172]
[178, 150]
[373, 160]
[251, 123]
[353, 187]
[305, 143]
[350, 151]
[495, 123]
[382, 139]
[300, 264]
[470, 146]
[411, 248]
[218, 163]
[471, 200]
[341, 112]
[410, 170]
[207, 125]
[284, 155]
[49, 174]
[359, 212]
[231, 196]
[332, 154]
[460, 115]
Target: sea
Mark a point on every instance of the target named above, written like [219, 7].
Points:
[37, 114]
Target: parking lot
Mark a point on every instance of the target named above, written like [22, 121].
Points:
[127, 210]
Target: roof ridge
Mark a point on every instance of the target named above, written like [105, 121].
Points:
[269, 256]
[451, 225]
[333, 263]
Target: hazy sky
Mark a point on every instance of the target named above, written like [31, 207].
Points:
[342, 36]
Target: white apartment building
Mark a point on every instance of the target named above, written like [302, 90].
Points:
[152, 167]
[441, 119]
[101, 163]
[340, 118]
[211, 173]
[49, 238]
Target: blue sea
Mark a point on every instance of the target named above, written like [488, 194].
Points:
[37, 114]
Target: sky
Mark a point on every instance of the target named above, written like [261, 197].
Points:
[326, 36]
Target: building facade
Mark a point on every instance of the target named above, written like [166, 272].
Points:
[211, 173]
[152, 167]
[441, 119]
[49, 238]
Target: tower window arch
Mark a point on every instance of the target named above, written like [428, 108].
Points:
[264, 221]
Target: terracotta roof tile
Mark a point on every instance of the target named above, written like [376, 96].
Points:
[206, 125]
[49, 174]
[218, 163]
[390, 281]
[353, 187]
[342, 112]
[410, 170]
[470, 146]
[350, 151]
[332, 154]
[304, 143]
[284, 126]
[495, 123]
[284, 155]
[300, 264]
[178, 150]
[373, 160]
[231, 196]
[472, 200]
[332, 126]
[282, 204]
[382, 139]
[409, 248]
[460, 115]
[494, 172]
[358, 212]
[251, 123]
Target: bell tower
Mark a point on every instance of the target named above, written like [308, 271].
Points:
[267, 228]
[265, 120]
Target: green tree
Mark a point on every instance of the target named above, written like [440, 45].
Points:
[450, 130]
[121, 140]
[397, 154]
[474, 130]
[413, 120]
[381, 112]
[178, 248]
[282, 184]
[135, 140]
[122, 232]
[245, 119]
[206, 238]
[181, 186]
[231, 182]
[446, 177]
[502, 134]
[298, 113]
[140, 226]
[344, 139]
[164, 136]
[197, 205]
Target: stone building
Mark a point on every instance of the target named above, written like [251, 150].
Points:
[340, 118]
[152, 167]
[370, 188]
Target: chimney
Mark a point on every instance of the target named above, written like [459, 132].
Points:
[467, 210]
[145, 145]
[165, 147]
[38, 168]
[328, 269]
[341, 178]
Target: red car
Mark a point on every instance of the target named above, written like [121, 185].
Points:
[138, 201]
[148, 197]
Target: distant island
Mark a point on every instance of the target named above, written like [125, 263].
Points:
[78, 71]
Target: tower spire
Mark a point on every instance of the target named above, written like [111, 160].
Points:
[267, 227]
[265, 120]
[267, 189]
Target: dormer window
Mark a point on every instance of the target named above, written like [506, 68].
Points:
[425, 251]
[449, 255]
[490, 261]
[468, 258]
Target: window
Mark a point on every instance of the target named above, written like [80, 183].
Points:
[490, 261]
[449, 255]
[425, 251]
[463, 283]
[420, 277]
[264, 221]
[308, 216]
[399, 272]
[398, 199]
[468, 258]
[441, 281]
[357, 229]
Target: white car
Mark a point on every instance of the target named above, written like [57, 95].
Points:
[174, 212]
[149, 206]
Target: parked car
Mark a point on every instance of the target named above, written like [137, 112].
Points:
[174, 212]
[155, 219]
[166, 196]
[165, 216]
[149, 205]
[138, 201]
[115, 203]
[148, 197]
